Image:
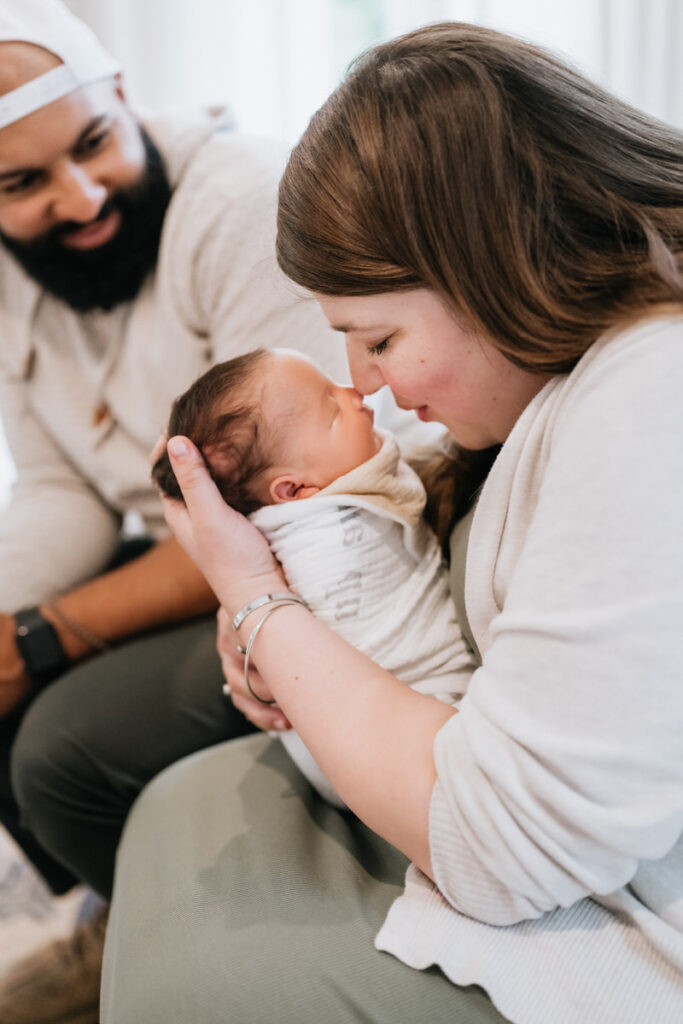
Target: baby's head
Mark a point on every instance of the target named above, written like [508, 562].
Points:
[271, 427]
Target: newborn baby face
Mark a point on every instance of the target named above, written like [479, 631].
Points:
[323, 429]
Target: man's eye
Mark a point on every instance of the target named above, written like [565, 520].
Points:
[376, 350]
[93, 142]
[22, 184]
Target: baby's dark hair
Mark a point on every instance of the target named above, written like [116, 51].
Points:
[221, 415]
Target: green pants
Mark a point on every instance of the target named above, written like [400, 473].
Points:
[240, 896]
[93, 739]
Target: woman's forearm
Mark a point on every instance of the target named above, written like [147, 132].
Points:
[370, 734]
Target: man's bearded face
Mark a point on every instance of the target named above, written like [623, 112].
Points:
[103, 277]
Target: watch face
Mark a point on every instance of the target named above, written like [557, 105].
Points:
[39, 646]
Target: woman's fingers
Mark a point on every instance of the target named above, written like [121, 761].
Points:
[263, 716]
[226, 640]
[201, 495]
[215, 524]
[233, 555]
[159, 447]
[267, 718]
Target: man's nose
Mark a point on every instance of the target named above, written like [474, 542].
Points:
[78, 195]
[365, 375]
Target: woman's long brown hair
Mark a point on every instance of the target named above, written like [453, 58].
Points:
[541, 207]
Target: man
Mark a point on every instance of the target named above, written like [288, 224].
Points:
[133, 256]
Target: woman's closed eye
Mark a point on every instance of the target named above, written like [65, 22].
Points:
[378, 347]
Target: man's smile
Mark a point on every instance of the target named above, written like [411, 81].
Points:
[95, 234]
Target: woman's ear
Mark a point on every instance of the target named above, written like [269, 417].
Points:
[286, 488]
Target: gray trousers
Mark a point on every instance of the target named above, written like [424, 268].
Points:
[87, 745]
[241, 896]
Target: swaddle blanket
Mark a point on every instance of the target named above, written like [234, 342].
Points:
[367, 564]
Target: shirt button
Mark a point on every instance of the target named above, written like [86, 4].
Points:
[29, 365]
[101, 413]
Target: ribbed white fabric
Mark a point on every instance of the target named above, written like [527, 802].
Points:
[557, 815]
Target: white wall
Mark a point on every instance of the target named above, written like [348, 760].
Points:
[276, 60]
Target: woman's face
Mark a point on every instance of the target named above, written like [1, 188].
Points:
[412, 342]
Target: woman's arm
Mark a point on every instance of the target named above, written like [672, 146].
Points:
[562, 772]
[370, 734]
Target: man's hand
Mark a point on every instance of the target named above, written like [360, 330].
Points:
[14, 683]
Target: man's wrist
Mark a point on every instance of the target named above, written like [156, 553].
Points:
[40, 646]
[76, 639]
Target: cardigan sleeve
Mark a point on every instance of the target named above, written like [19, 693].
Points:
[564, 768]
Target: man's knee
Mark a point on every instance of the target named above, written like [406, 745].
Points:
[45, 755]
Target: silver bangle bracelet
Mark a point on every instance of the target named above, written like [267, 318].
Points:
[250, 643]
[259, 602]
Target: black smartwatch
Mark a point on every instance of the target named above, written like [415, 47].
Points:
[39, 646]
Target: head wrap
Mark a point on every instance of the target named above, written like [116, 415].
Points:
[48, 23]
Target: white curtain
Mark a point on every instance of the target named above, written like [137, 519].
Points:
[276, 60]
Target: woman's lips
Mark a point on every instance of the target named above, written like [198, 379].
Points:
[422, 413]
[91, 236]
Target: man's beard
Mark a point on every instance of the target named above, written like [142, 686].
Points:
[112, 273]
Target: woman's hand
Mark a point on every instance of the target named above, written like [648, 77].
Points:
[231, 553]
[232, 662]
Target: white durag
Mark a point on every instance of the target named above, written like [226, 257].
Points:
[49, 24]
[366, 563]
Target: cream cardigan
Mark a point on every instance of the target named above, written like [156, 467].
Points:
[557, 814]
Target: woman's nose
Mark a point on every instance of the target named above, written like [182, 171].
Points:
[354, 397]
[79, 197]
[365, 374]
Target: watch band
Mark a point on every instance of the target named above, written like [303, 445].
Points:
[40, 647]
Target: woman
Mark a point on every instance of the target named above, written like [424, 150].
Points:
[502, 244]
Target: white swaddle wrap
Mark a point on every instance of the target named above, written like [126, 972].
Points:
[367, 564]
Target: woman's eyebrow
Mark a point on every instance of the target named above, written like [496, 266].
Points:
[348, 328]
[94, 123]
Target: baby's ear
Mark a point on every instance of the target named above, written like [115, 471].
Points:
[286, 488]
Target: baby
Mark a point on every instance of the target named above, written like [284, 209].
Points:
[341, 510]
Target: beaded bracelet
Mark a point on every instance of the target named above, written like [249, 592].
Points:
[90, 639]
